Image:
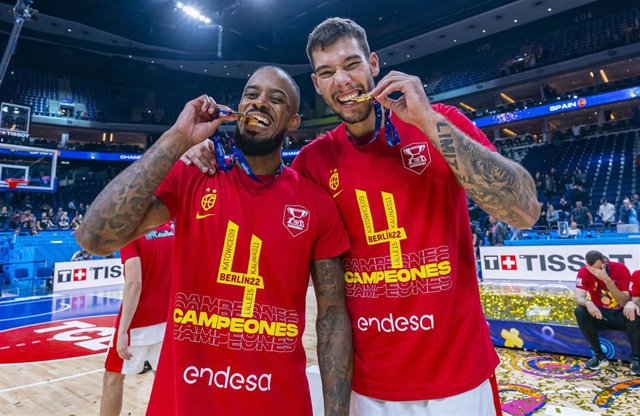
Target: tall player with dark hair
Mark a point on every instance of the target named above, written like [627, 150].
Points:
[246, 241]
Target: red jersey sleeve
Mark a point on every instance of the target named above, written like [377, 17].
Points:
[167, 191]
[622, 276]
[332, 239]
[464, 124]
[634, 284]
[582, 281]
[303, 167]
[130, 251]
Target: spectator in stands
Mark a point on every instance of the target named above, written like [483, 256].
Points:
[566, 180]
[607, 212]
[72, 208]
[497, 232]
[607, 284]
[573, 229]
[635, 201]
[549, 186]
[628, 214]
[580, 195]
[63, 222]
[81, 255]
[75, 223]
[28, 221]
[638, 160]
[4, 218]
[552, 216]
[542, 219]
[58, 216]
[81, 209]
[14, 222]
[564, 209]
[539, 185]
[579, 178]
[581, 215]
[44, 223]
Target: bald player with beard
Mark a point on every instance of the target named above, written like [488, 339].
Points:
[246, 241]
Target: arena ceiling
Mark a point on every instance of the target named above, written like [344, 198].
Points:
[255, 32]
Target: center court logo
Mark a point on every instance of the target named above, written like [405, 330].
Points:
[416, 157]
[389, 324]
[226, 379]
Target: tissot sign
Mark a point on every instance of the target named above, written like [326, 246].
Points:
[549, 262]
[82, 274]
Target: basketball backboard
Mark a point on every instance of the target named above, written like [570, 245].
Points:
[19, 164]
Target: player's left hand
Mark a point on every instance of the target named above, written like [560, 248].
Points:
[123, 346]
[631, 310]
[413, 106]
[600, 273]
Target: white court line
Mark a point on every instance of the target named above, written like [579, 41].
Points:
[65, 306]
[31, 299]
[26, 386]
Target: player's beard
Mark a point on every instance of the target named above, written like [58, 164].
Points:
[360, 114]
[252, 146]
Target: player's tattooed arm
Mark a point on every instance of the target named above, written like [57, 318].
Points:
[126, 207]
[501, 187]
[333, 325]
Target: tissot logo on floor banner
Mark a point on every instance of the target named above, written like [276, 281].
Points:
[549, 262]
[91, 273]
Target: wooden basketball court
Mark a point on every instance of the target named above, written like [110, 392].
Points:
[530, 383]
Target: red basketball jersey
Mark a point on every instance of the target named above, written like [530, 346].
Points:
[412, 291]
[233, 344]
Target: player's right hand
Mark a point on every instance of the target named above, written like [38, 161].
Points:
[201, 156]
[631, 310]
[593, 310]
[199, 119]
[123, 346]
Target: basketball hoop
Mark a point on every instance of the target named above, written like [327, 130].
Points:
[12, 183]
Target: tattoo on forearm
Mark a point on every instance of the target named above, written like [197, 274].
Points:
[120, 207]
[499, 186]
[333, 326]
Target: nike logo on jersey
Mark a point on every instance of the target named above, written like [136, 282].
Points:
[338, 193]
[201, 216]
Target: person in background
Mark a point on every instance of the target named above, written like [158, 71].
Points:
[602, 289]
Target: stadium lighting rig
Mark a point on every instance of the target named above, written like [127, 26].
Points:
[193, 13]
[22, 12]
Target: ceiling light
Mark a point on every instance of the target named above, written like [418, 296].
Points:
[68, 30]
[507, 98]
[466, 106]
[179, 5]
[455, 40]
[603, 76]
[549, 9]
[484, 31]
[205, 70]
[515, 20]
[207, 20]
[408, 56]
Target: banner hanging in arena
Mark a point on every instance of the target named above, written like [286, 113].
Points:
[83, 274]
[552, 262]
